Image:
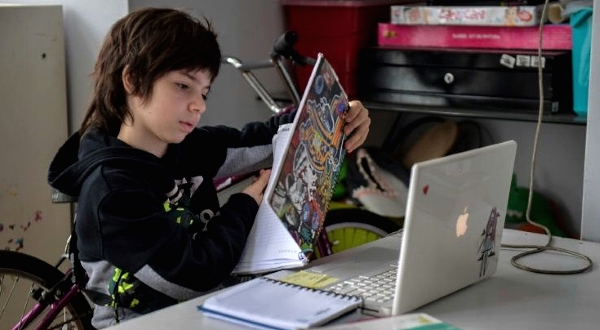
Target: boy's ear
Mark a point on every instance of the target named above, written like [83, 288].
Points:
[126, 79]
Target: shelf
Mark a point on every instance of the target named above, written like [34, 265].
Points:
[560, 118]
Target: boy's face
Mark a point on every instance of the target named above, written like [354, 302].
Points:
[177, 102]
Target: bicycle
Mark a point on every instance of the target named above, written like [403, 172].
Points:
[349, 227]
[56, 299]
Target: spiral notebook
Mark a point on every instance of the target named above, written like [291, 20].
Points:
[270, 304]
[308, 155]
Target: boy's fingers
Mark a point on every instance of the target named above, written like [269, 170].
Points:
[264, 176]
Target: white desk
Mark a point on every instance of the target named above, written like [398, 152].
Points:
[511, 299]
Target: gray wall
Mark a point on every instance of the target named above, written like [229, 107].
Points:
[558, 165]
[85, 24]
[246, 30]
[33, 124]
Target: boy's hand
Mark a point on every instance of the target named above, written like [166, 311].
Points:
[357, 125]
[256, 189]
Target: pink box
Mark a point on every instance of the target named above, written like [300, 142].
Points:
[555, 36]
[467, 15]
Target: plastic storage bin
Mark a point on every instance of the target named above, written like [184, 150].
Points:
[338, 29]
[581, 23]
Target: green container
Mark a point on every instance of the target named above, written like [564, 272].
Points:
[541, 211]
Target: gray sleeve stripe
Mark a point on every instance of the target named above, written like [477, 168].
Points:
[100, 273]
[246, 160]
[157, 282]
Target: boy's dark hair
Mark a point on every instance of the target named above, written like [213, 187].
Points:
[150, 42]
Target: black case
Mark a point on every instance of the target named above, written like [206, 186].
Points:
[466, 78]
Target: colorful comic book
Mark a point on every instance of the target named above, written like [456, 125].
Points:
[308, 155]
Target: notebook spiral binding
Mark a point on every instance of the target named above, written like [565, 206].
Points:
[328, 293]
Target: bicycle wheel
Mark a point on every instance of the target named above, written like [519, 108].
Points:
[350, 227]
[22, 274]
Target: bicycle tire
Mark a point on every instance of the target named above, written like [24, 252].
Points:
[16, 267]
[350, 227]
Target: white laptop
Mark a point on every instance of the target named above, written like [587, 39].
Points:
[451, 238]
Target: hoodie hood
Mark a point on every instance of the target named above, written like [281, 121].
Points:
[77, 158]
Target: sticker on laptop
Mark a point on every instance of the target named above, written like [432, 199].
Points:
[488, 241]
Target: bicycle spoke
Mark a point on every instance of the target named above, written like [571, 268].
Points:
[63, 323]
[1, 287]
[12, 289]
[26, 277]
[25, 306]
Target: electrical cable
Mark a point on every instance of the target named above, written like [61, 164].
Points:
[547, 246]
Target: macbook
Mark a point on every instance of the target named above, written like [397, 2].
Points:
[451, 238]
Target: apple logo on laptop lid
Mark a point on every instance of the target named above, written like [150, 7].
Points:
[461, 222]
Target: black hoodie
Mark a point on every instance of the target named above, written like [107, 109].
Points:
[122, 223]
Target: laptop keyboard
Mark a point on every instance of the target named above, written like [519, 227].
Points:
[378, 288]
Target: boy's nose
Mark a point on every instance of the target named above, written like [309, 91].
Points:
[199, 104]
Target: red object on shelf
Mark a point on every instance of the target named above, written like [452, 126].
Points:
[338, 29]
[555, 36]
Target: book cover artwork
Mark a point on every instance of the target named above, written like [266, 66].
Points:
[309, 170]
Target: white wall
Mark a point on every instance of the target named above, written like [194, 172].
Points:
[590, 229]
[86, 23]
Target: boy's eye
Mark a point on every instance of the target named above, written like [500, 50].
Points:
[182, 86]
[204, 97]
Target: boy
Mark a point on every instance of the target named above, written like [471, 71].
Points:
[143, 172]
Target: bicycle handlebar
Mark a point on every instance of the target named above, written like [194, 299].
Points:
[284, 46]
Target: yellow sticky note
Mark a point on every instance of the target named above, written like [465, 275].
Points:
[309, 280]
